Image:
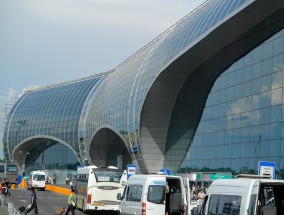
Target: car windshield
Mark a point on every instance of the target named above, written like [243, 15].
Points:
[38, 177]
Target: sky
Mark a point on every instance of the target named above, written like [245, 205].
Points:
[45, 42]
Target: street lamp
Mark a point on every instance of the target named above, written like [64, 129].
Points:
[21, 123]
[24, 161]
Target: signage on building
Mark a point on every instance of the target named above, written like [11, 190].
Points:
[131, 170]
[79, 168]
[167, 171]
[211, 176]
[267, 169]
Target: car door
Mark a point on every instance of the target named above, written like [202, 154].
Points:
[131, 200]
[156, 197]
[252, 199]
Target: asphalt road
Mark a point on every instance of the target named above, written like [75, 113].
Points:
[47, 201]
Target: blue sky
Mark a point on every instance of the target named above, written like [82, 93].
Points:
[46, 42]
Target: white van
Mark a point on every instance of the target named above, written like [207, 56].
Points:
[245, 195]
[37, 180]
[154, 195]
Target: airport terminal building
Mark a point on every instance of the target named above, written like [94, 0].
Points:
[205, 95]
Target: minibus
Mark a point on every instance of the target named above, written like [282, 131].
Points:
[245, 195]
[37, 179]
[154, 195]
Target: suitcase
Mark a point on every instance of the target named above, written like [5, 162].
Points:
[60, 211]
[27, 208]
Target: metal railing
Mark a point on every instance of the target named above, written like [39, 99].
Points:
[12, 210]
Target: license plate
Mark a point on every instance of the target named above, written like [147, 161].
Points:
[98, 204]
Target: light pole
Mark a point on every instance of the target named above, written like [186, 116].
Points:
[21, 123]
[24, 161]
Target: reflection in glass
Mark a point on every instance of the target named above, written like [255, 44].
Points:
[252, 115]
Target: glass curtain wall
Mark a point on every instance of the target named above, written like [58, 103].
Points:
[49, 112]
[120, 104]
[57, 156]
[243, 120]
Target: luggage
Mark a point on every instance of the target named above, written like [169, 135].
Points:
[60, 211]
[4, 190]
[27, 208]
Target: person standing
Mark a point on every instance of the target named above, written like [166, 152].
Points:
[72, 185]
[71, 203]
[200, 198]
[193, 196]
[33, 202]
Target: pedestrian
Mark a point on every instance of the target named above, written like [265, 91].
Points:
[71, 203]
[193, 187]
[33, 202]
[8, 186]
[193, 196]
[72, 185]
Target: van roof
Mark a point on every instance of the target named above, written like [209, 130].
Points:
[253, 176]
[154, 175]
[232, 182]
[146, 177]
[243, 182]
[143, 178]
[37, 171]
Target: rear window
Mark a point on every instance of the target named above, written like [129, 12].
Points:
[156, 194]
[2, 168]
[11, 168]
[108, 175]
[224, 204]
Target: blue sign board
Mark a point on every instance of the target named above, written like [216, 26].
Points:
[267, 168]
[167, 171]
[79, 168]
[131, 170]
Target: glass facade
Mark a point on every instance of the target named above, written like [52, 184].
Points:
[243, 119]
[96, 118]
[57, 156]
[47, 116]
[120, 104]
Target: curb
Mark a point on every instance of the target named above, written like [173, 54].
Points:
[61, 190]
